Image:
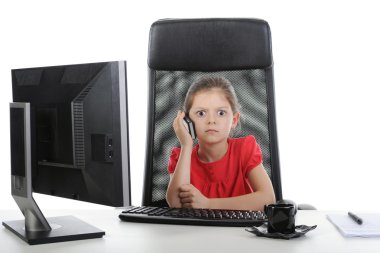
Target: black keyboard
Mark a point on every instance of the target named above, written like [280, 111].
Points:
[190, 216]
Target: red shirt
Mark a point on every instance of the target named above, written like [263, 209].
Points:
[227, 177]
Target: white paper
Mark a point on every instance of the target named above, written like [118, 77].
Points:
[349, 228]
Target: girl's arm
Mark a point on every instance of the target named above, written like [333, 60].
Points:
[179, 177]
[263, 195]
[181, 174]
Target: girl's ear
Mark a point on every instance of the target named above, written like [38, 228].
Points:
[235, 120]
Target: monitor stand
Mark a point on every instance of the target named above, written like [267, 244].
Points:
[35, 228]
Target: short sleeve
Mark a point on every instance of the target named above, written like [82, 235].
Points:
[173, 159]
[252, 154]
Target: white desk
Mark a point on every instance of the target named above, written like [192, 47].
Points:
[138, 237]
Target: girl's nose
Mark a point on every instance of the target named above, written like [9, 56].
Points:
[211, 119]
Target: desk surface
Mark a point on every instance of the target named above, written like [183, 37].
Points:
[138, 237]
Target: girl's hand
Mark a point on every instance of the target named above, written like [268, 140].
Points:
[191, 197]
[180, 130]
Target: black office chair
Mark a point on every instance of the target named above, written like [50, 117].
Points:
[181, 51]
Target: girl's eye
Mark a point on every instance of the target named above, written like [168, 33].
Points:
[221, 113]
[201, 113]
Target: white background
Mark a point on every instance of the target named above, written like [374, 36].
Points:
[326, 56]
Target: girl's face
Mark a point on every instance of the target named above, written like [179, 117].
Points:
[212, 115]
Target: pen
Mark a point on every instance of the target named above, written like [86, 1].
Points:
[356, 218]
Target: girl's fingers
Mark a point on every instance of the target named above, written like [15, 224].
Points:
[184, 194]
[186, 200]
[187, 205]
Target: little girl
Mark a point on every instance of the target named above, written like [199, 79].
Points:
[219, 172]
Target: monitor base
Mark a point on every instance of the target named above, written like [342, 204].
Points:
[64, 228]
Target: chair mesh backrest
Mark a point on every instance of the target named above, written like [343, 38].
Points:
[170, 91]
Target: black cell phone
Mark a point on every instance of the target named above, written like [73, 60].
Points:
[190, 126]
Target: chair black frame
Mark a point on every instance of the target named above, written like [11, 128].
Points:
[207, 45]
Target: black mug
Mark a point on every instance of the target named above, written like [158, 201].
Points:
[281, 218]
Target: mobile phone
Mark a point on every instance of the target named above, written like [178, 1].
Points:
[189, 126]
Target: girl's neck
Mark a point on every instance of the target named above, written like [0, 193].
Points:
[212, 152]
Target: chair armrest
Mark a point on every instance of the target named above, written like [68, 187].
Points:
[299, 206]
[306, 207]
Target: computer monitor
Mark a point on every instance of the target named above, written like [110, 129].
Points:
[69, 138]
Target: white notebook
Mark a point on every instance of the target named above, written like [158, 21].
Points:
[349, 228]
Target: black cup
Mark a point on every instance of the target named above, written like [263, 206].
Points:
[281, 218]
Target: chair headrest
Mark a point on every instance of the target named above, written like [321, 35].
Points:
[209, 44]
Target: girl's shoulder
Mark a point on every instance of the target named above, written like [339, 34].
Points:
[247, 140]
[176, 151]
[247, 149]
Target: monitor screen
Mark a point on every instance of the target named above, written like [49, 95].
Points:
[79, 130]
